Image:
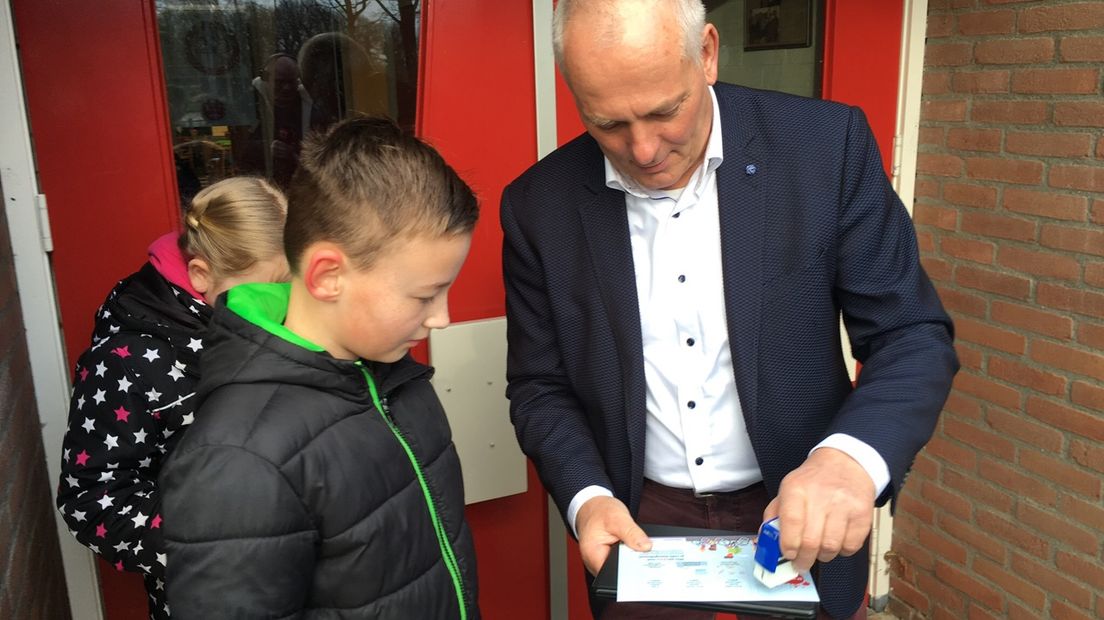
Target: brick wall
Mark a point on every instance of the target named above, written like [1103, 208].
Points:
[1003, 516]
[32, 580]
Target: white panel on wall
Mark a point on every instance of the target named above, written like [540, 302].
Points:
[470, 359]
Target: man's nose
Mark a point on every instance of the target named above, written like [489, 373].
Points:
[644, 145]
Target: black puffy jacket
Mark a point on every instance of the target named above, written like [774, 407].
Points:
[311, 487]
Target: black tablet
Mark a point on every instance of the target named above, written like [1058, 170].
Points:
[605, 583]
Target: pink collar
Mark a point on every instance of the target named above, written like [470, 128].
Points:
[166, 257]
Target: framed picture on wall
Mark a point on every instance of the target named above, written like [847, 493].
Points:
[776, 24]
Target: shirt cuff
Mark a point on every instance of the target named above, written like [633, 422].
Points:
[866, 456]
[581, 498]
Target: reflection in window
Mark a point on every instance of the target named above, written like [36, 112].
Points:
[247, 79]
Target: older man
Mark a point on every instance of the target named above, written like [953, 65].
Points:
[674, 281]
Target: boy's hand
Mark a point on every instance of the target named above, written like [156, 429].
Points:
[602, 522]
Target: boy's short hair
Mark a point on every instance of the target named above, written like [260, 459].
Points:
[364, 183]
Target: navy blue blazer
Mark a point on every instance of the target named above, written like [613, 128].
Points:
[810, 228]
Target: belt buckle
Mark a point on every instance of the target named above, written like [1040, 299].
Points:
[698, 495]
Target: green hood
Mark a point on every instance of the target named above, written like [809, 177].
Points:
[265, 305]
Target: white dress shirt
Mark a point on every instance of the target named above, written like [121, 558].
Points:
[695, 432]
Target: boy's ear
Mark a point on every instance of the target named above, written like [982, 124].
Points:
[199, 275]
[324, 267]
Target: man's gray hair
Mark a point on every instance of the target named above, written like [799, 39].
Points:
[689, 17]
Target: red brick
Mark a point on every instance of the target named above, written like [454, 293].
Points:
[1049, 144]
[927, 188]
[962, 301]
[968, 356]
[1019, 373]
[1088, 363]
[978, 490]
[925, 241]
[970, 195]
[931, 136]
[1088, 513]
[986, 389]
[937, 269]
[979, 438]
[999, 226]
[925, 467]
[912, 506]
[1009, 477]
[1045, 264]
[1087, 395]
[1051, 580]
[966, 139]
[1074, 300]
[1060, 610]
[930, 215]
[1079, 114]
[1072, 239]
[1055, 81]
[982, 82]
[910, 595]
[963, 406]
[988, 335]
[1082, 49]
[1032, 319]
[1012, 584]
[968, 249]
[1098, 206]
[912, 554]
[1021, 171]
[943, 546]
[965, 582]
[939, 164]
[1080, 16]
[940, 25]
[1067, 418]
[1046, 204]
[991, 281]
[976, 612]
[987, 22]
[1081, 568]
[1008, 112]
[974, 539]
[1017, 51]
[1068, 476]
[952, 452]
[947, 54]
[941, 594]
[944, 612]
[1091, 335]
[999, 526]
[936, 83]
[1094, 274]
[1085, 178]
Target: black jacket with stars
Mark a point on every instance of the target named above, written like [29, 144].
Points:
[133, 393]
[313, 487]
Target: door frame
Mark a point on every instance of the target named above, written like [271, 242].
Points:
[28, 223]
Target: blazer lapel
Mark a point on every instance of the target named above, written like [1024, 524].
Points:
[742, 207]
[606, 227]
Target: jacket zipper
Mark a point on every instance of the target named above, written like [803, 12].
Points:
[442, 538]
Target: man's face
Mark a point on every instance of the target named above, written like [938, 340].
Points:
[646, 104]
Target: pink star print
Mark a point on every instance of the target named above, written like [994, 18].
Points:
[121, 414]
[83, 373]
[156, 522]
[156, 415]
[82, 458]
[119, 566]
[123, 352]
[101, 531]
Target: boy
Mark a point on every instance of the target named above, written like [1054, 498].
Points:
[320, 478]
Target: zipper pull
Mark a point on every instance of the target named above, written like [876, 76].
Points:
[386, 405]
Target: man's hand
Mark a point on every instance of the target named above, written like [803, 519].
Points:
[825, 508]
[602, 522]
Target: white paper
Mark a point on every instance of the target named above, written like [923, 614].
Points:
[696, 568]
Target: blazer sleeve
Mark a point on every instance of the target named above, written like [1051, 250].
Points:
[240, 541]
[896, 323]
[548, 418]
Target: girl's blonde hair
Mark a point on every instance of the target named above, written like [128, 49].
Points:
[233, 224]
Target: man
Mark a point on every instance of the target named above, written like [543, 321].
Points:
[674, 279]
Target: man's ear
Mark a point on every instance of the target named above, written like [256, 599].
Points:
[324, 268]
[199, 274]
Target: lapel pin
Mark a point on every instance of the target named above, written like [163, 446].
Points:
[750, 169]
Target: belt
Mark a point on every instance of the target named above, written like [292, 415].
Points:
[751, 488]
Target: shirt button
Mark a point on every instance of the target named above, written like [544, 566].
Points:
[682, 278]
[691, 404]
[699, 461]
[689, 342]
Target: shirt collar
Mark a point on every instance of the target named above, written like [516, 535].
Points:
[714, 156]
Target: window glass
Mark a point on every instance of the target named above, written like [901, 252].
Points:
[771, 44]
[247, 79]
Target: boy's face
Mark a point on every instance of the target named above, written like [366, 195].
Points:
[389, 308]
